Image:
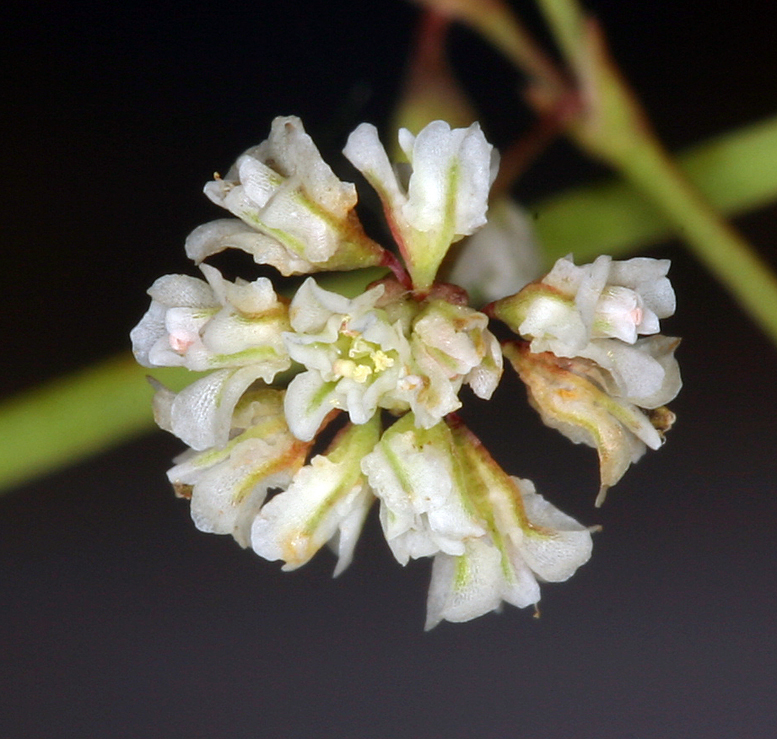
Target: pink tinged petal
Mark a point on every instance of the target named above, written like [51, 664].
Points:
[618, 300]
[184, 327]
[149, 340]
[620, 314]
[646, 321]
[191, 301]
[648, 278]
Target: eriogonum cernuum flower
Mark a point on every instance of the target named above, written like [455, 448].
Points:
[294, 213]
[597, 311]
[317, 405]
[232, 328]
[228, 484]
[327, 500]
[569, 395]
[447, 192]
[383, 350]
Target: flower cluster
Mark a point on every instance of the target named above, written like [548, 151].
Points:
[315, 407]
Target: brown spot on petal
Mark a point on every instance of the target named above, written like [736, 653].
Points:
[182, 490]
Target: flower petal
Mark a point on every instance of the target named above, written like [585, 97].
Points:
[329, 498]
[201, 414]
[422, 506]
[228, 485]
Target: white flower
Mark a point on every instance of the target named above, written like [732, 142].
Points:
[645, 373]
[423, 508]
[597, 311]
[354, 356]
[384, 350]
[549, 548]
[232, 328]
[218, 324]
[452, 345]
[294, 213]
[602, 300]
[447, 192]
[327, 500]
[228, 485]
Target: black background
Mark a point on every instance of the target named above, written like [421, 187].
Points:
[119, 619]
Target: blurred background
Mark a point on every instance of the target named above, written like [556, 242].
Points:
[119, 619]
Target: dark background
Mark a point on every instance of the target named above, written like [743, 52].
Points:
[119, 619]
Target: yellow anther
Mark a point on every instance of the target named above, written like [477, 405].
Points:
[381, 360]
[347, 368]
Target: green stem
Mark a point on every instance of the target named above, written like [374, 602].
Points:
[74, 417]
[735, 172]
[613, 127]
[728, 256]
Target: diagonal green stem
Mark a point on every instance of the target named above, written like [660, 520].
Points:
[728, 256]
[613, 127]
[735, 172]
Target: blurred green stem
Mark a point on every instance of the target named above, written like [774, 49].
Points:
[735, 172]
[611, 126]
[76, 416]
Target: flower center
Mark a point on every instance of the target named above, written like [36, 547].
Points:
[358, 358]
